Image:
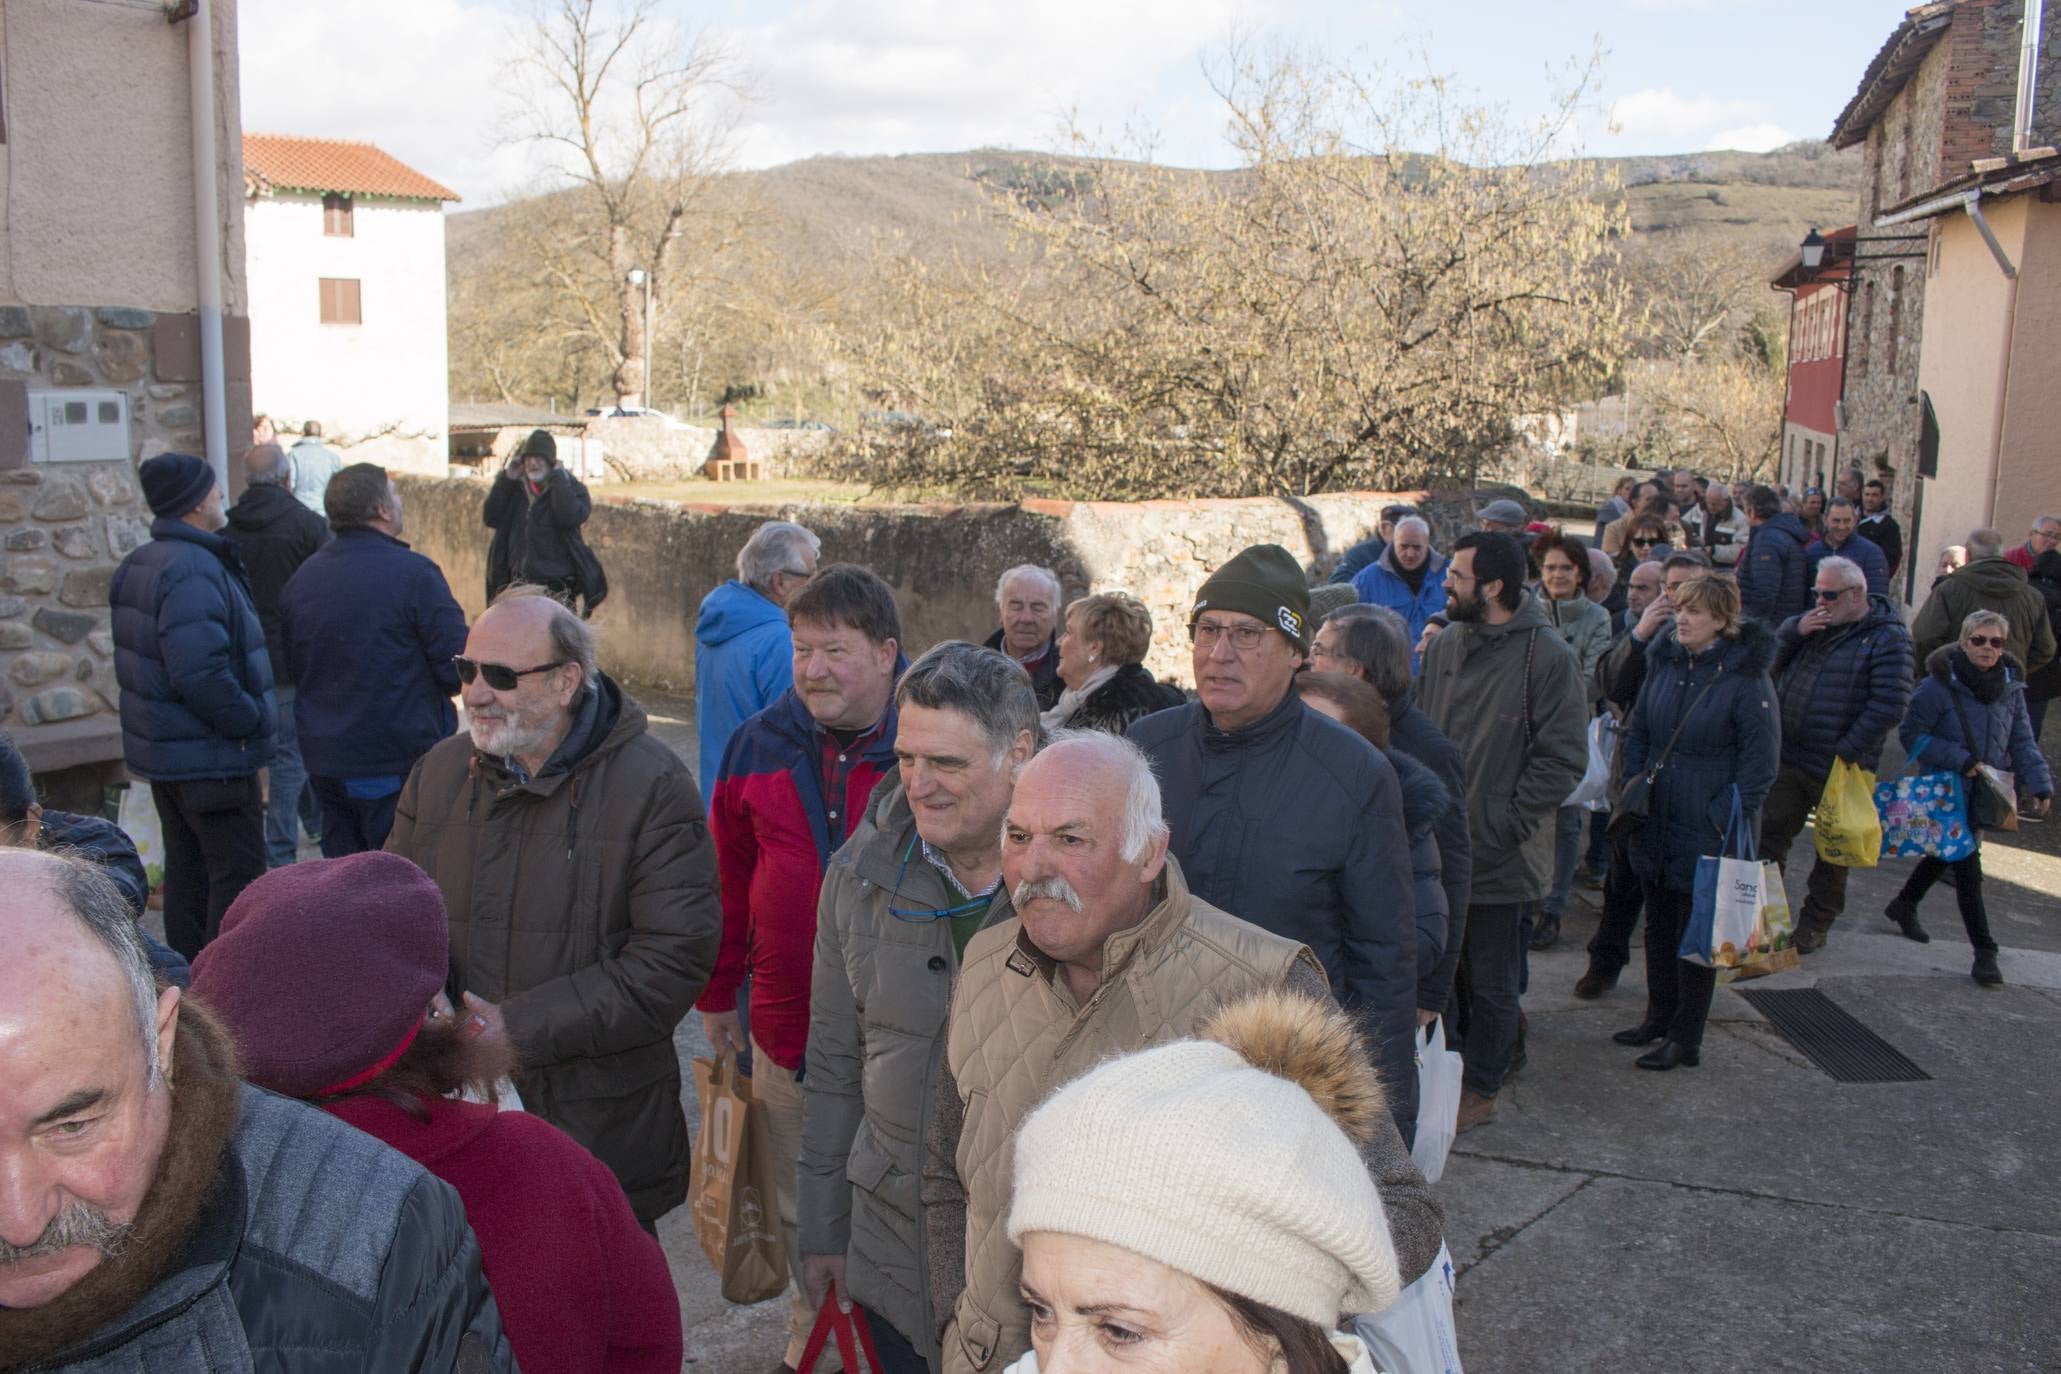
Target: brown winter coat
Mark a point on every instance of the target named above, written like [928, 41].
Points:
[583, 902]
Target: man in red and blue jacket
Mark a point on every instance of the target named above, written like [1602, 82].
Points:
[792, 787]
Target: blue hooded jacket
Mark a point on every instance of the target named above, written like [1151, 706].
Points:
[1774, 574]
[743, 663]
[1379, 584]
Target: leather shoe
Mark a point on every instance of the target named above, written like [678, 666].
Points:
[1985, 971]
[1809, 939]
[1546, 933]
[1669, 1054]
[1645, 1033]
[1905, 914]
[1475, 1109]
[1594, 984]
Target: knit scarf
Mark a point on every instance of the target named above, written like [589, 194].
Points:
[1413, 578]
[1987, 686]
[205, 1101]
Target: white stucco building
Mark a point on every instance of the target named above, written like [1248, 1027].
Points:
[344, 254]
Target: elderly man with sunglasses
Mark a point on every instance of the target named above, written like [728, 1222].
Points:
[1843, 676]
[1284, 817]
[575, 865]
[920, 875]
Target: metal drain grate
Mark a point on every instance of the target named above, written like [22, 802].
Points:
[1831, 1037]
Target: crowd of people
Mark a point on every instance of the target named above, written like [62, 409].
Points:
[1079, 1011]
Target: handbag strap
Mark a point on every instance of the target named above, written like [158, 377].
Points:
[1667, 752]
[1967, 730]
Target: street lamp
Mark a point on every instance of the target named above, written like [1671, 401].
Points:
[1813, 250]
[640, 277]
[1817, 253]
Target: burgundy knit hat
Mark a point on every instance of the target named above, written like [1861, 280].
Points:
[323, 969]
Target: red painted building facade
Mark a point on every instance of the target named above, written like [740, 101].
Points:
[1817, 364]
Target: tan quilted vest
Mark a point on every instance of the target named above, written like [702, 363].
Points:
[1016, 1034]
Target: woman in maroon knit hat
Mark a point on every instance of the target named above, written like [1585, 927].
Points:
[325, 973]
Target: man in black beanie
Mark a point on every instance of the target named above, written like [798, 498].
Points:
[536, 509]
[196, 696]
[1285, 818]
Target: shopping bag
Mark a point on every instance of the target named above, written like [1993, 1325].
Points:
[1415, 1334]
[730, 1191]
[1993, 798]
[1591, 792]
[847, 1327]
[1924, 813]
[1849, 830]
[1438, 1101]
[1725, 914]
[1774, 942]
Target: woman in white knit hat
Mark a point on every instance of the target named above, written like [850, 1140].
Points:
[1201, 1208]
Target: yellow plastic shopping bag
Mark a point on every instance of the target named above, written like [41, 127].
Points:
[1849, 830]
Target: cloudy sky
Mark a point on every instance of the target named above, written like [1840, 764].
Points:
[428, 80]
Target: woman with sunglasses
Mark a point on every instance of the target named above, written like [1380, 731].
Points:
[1645, 540]
[1970, 711]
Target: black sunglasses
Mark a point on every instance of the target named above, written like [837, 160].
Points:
[499, 676]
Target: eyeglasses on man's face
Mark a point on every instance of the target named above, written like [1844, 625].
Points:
[1985, 641]
[499, 676]
[1244, 638]
[1832, 593]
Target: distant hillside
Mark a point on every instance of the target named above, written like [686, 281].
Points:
[813, 225]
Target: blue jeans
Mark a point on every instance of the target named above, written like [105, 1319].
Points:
[1567, 849]
[289, 780]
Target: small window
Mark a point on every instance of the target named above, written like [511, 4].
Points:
[340, 301]
[336, 216]
[75, 412]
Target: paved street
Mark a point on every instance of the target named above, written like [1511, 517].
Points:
[1750, 1214]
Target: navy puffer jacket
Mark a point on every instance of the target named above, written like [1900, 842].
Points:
[190, 657]
[1774, 579]
[2001, 729]
[1426, 803]
[1843, 689]
[1733, 738]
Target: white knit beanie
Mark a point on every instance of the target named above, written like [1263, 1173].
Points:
[1216, 1160]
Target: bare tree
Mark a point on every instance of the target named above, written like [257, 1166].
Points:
[637, 116]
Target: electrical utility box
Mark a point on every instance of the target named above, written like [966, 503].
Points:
[73, 426]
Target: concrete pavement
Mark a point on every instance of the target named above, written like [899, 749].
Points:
[1747, 1215]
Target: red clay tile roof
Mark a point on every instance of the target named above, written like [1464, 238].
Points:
[277, 161]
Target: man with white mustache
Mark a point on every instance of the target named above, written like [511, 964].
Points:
[1108, 952]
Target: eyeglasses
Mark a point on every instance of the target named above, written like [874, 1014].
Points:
[499, 676]
[1244, 638]
[1986, 641]
[1833, 595]
[1644, 543]
[919, 915]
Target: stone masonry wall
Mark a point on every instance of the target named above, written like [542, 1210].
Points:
[942, 560]
[65, 526]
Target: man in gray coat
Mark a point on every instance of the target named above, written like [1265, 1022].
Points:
[1508, 691]
[901, 899]
[158, 1214]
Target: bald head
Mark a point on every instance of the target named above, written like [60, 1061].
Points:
[84, 1040]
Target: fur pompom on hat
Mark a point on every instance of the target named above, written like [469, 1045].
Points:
[1229, 1158]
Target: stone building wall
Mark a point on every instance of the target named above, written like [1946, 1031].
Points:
[942, 560]
[65, 526]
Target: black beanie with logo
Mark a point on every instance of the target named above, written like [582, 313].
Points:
[1266, 583]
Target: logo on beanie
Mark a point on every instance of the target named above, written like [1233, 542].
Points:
[1291, 623]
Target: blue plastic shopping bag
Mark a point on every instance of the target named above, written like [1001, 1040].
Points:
[1924, 813]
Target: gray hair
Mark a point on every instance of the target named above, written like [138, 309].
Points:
[1144, 819]
[572, 639]
[106, 914]
[1848, 571]
[985, 685]
[1603, 568]
[1975, 620]
[778, 546]
[1377, 639]
[1985, 543]
[2046, 520]
[1419, 521]
[267, 466]
[1046, 576]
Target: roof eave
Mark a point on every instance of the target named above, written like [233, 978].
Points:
[1890, 70]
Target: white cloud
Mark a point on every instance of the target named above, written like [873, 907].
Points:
[883, 76]
[1750, 138]
[417, 77]
[1661, 114]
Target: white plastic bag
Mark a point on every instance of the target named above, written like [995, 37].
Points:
[1592, 791]
[1416, 1334]
[1438, 1101]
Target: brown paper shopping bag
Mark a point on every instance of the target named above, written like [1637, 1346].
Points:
[731, 1193]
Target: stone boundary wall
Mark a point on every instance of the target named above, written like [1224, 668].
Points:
[652, 451]
[943, 561]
